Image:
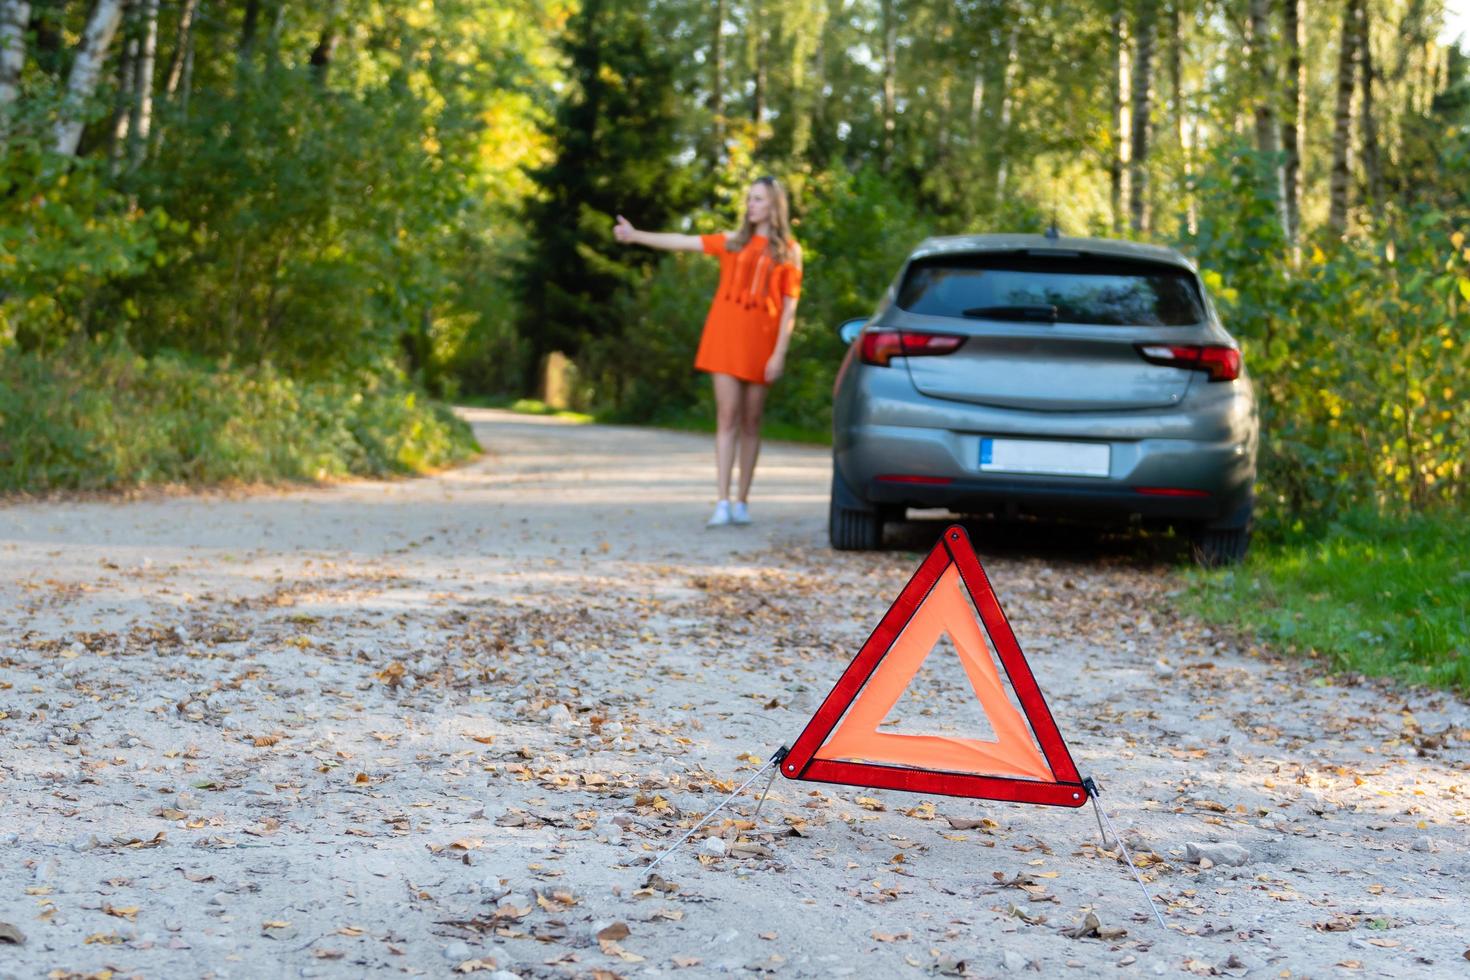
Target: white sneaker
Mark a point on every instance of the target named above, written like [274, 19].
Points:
[739, 513]
[721, 516]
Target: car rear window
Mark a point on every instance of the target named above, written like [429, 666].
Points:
[1081, 289]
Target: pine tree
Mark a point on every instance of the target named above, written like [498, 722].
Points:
[615, 136]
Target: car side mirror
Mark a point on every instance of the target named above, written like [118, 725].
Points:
[851, 328]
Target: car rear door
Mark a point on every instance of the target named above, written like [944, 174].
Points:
[1050, 330]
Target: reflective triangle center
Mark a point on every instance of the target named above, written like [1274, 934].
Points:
[857, 738]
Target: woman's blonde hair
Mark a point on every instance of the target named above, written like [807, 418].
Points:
[778, 242]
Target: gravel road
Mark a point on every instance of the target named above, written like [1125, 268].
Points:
[440, 726]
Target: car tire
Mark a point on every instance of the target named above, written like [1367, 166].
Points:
[851, 526]
[1217, 547]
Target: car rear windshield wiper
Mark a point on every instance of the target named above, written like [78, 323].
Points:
[1039, 312]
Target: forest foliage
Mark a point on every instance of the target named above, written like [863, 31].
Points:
[385, 199]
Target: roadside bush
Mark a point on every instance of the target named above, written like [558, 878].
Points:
[93, 417]
[1358, 350]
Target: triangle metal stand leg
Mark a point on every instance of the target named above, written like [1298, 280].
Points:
[1092, 794]
[772, 761]
[756, 818]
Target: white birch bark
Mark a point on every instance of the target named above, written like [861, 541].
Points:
[86, 68]
[181, 47]
[142, 108]
[1268, 132]
[14, 15]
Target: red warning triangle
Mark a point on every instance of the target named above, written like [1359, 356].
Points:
[842, 744]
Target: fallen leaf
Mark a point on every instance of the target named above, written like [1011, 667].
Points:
[972, 823]
[614, 932]
[130, 912]
[684, 962]
[892, 937]
[12, 936]
[868, 803]
[471, 966]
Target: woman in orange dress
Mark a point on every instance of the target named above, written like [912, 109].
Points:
[748, 329]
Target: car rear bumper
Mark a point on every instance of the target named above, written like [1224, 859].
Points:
[1163, 478]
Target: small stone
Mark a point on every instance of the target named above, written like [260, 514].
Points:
[1012, 961]
[504, 975]
[714, 847]
[457, 951]
[558, 716]
[219, 898]
[1423, 844]
[1224, 853]
[84, 843]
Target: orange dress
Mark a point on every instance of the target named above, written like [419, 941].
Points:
[744, 320]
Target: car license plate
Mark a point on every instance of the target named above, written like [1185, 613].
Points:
[1037, 456]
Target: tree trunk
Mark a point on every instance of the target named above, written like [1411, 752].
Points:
[1007, 109]
[248, 27]
[1342, 122]
[888, 24]
[1268, 135]
[142, 108]
[86, 68]
[717, 80]
[977, 100]
[15, 15]
[1181, 133]
[1118, 166]
[1143, 82]
[326, 48]
[122, 96]
[1372, 161]
[1293, 128]
[181, 47]
[757, 29]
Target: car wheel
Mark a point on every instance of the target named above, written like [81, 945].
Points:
[851, 526]
[1216, 547]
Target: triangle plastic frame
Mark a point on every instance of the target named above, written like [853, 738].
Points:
[953, 548]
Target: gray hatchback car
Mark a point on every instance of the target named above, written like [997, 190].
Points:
[1045, 375]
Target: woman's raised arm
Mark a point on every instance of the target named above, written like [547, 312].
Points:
[624, 232]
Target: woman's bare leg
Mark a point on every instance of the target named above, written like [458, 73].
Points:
[752, 406]
[727, 424]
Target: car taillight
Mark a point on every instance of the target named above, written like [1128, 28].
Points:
[880, 346]
[1221, 363]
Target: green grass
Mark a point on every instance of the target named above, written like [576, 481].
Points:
[682, 421]
[1387, 597]
[88, 418]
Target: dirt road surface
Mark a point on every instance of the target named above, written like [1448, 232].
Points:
[440, 726]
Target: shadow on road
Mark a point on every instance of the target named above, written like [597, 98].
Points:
[1051, 541]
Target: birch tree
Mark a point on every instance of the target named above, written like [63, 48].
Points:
[1367, 110]
[1268, 135]
[1118, 164]
[14, 16]
[888, 28]
[86, 69]
[142, 108]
